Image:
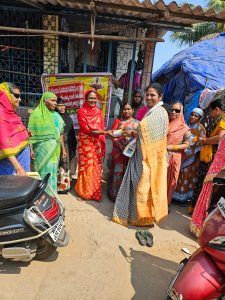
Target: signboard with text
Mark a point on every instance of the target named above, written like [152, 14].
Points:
[71, 88]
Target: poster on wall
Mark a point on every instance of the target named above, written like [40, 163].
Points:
[71, 87]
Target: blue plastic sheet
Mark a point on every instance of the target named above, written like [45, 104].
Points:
[190, 71]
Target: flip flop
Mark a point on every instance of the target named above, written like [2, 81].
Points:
[141, 239]
[148, 236]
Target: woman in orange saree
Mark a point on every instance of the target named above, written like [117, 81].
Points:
[91, 148]
[178, 139]
[142, 197]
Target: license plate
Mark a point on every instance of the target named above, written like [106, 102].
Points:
[55, 231]
[221, 205]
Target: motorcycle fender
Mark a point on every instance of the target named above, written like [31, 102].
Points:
[199, 279]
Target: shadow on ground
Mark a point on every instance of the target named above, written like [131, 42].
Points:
[14, 267]
[150, 275]
[178, 220]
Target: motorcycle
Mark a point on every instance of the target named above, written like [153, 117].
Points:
[202, 276]
[31, 219]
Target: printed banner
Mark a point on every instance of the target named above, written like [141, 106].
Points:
[71, 87]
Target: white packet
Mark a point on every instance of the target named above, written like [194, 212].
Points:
[130, 148]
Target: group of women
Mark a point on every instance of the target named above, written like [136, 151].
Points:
[166, 159]
[47, 138]
[156, 157]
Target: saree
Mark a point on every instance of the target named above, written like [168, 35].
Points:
[91, 150]
[203, 202]
[13, 135]
[46, 127]
[188, 176]
[142, 197]
[119, 160]
[178, 133]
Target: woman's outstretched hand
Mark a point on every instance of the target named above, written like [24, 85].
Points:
[21, 172]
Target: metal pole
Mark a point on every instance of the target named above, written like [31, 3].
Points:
[109, 57]
[85, 55]
[81, 35]
[132, 70]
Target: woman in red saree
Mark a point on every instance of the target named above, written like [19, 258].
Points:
[118, 160]
[91, 148]
[178, 139]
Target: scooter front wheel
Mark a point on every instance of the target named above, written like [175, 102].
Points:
[44, 249]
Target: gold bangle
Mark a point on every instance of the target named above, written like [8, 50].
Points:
[175, 147]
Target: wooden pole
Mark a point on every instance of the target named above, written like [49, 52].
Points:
[81, 35]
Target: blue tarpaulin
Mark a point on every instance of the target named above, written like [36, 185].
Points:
[185, 75]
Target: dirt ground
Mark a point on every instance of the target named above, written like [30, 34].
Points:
[103, 260]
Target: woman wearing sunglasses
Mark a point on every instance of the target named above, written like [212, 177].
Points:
[14, 149]
[188, 177]
[178, 139]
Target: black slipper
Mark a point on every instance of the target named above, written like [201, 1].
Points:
[141, 239]
[148, 236]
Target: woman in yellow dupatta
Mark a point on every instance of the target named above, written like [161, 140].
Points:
[142, 198]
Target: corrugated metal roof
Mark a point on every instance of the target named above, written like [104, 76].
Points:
[146, 11]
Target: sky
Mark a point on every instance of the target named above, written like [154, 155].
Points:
[165, 51]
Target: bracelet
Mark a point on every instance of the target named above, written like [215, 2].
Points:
[175, 147]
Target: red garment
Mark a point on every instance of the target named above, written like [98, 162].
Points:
[141, 113]
[124, 80]
[90, 119]
[202, 205]
[91, 150]
[13, 134]
[118, 160]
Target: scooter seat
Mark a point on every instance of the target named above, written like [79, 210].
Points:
[16, 190]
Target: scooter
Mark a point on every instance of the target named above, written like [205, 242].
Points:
[202, 276]
[31, 219]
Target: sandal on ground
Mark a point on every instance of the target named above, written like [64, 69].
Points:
[148, 236]
[141, 239]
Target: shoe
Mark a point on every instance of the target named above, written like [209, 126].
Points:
[148, 236]
[141, 239]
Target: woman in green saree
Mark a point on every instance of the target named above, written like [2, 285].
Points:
[46, 127]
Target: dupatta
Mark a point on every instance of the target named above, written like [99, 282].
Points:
[13, 134]
[41, 122]
[90, 119]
